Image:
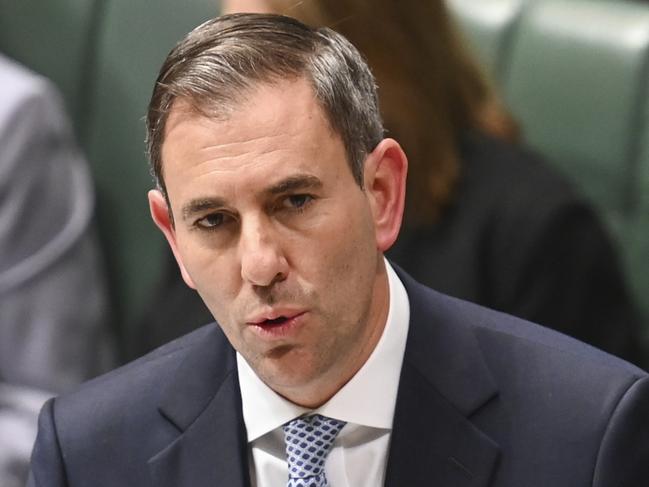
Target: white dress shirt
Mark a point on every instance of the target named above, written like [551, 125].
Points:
[358, 457]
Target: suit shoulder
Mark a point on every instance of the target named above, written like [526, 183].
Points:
[511, 331]
[143, 379]
[123, 412]
[519, 341]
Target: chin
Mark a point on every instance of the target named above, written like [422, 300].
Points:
[289, 374]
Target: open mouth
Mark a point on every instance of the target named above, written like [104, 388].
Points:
[280, 320]
[272, 325]
[279, 326]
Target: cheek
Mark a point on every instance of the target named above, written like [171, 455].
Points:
[213, 273]
[347, 255]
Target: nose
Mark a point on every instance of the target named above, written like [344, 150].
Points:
[262, 260]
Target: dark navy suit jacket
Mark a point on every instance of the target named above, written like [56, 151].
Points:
[485, 399]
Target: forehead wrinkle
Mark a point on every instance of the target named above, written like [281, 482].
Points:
[239, 140]
[268, 143]
[233, 159]
[232, 163]
[239, 154]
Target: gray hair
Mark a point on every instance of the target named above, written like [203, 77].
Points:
[222, 60]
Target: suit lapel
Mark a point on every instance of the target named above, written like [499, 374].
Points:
[444, 381]
[203, 403]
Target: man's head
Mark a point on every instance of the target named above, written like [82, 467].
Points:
[281, 236]
[215, 67]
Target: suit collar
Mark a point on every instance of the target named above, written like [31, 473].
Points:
[443, 347]
[444, 381]
[203, 403]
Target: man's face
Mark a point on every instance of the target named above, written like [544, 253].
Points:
[276, 236]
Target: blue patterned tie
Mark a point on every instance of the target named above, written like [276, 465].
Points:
[308, 441]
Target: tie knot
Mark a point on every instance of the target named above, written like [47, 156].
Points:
[308, 442]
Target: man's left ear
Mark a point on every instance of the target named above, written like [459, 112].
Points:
[385, 173]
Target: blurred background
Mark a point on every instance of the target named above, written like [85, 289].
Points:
[574, 75]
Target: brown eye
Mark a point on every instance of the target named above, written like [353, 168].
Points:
[298, 201]
[211, 221]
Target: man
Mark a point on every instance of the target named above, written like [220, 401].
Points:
[278, 196]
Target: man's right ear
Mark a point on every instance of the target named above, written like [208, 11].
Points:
[160, 212]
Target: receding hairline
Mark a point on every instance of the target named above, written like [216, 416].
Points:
[222, 109]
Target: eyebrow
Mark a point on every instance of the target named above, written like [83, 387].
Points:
[291, 183]
[201, 205]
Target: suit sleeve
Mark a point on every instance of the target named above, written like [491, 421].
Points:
[623, 459]
[47, 468]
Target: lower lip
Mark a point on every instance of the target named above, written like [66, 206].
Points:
[280, 330]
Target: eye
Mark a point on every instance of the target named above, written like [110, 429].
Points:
[297, 201]
[212, 221]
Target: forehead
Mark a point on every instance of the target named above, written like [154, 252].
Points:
[275, 127]
[279, 107]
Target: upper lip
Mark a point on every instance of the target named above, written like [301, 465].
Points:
[272, 314]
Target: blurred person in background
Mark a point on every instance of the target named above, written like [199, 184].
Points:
[486, 220]
[53, 296]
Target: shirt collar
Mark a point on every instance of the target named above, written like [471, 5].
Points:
[368, 399]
